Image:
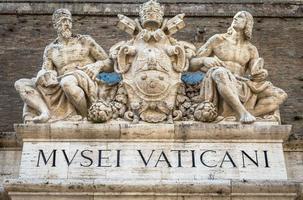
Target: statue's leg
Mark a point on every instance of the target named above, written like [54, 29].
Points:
[228, 91]
[269, 100]
[74, 94]
[32, 98]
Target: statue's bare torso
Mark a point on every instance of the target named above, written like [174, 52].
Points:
[69, 57]
[235, 56]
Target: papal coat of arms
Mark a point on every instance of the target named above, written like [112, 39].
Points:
[151, 63]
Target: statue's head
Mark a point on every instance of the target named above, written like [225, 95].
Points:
[62, 22]
[243, 21]
[151, 14]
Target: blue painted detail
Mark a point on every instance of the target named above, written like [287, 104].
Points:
[111, 78]
[192, 78]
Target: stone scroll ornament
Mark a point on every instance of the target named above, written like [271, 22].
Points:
[151, 65]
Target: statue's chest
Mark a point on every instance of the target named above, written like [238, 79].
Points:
[63, 55]
[231, 52]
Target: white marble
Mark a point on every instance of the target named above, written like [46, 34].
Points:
[152, 190]
[162, 160]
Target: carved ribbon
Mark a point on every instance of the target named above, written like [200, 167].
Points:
[181, 63]
[156, 35]
[122, 59]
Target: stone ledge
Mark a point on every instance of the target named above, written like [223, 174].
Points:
[161, 1]
[180, 131]
[223, 188]
[3, 193]
[9, 140]
[293, 146]
[193, 8]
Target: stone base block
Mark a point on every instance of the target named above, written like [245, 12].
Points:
[181, 151]
[152, 190]
[185, 160]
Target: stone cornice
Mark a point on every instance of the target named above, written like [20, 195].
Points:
[151, 188]
[8, 140]
[192, 8]
[179, 131]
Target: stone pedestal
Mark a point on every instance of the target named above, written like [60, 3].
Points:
[184, 160]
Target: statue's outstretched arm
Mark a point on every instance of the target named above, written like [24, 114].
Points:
[205, 51]
[256, 66]
[97, 52]
[254, 57]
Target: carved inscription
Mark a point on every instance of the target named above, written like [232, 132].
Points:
[149, 160]
[155, 158]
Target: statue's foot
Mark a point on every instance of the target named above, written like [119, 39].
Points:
[247, 118]
[218, 119]
[271, 118]
[76, 118]
[28, 121]
[43, 117]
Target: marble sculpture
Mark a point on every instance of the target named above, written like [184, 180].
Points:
[151, 64]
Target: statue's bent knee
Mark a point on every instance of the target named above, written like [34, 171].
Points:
[220, 75]
[18, 85]
[68, 84]
[21, 84]
[280, 95]
[25, 87]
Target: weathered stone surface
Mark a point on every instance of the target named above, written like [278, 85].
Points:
[143, 131]
[223, 8]
[227, 58]
[270, 43]
[215, 189]
[293, 160]
[9, 139]
[293, 152]
[3, 194]
[152, 160]
[10, 163]
[270, 39]
[210, 190]
[151, 64]
[180, 151]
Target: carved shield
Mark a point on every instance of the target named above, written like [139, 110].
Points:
[151, 69]
[152, 83]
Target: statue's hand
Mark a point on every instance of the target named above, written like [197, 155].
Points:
[210, 62]
[241, 78]
[260, 75]
[92, 70]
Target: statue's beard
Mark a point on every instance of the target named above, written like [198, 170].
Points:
[66, 33]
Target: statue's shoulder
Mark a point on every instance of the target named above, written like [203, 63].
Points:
[252, 48]
[85, 38]
[217, 38]
[48, 49]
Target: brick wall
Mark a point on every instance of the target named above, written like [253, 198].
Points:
[25, 29]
